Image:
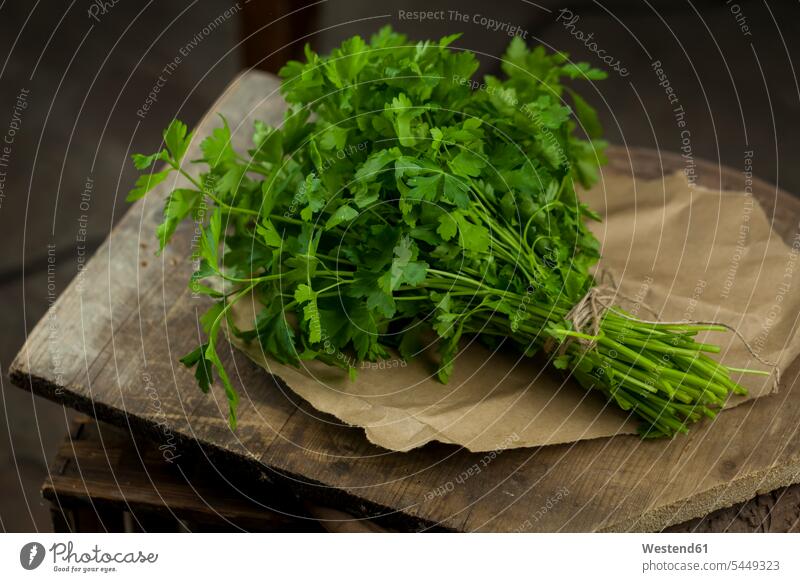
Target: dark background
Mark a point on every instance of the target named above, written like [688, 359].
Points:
[87, 77]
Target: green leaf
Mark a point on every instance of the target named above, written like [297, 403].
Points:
[200, 289]
[212, 322]
[401, 111]
[448, 227]
[375, 163]
[456, 191]
[230, 393]
[176, 140]
[142, 162]
[364, 332]
[231, 181]
[334, 137]
[467, 164]
[145, 183]
[472, 237]
[209, 319]
[342, 214]
[205, 359]
[587, 116]
[269, 234]
[424, 188]
[448, 350]
[347, 62]
[377, 292]
[196, 359]
[275, 334]
[583, 71]
[270, 147]
[216, 148]
[180, 204]
[314, 195]
[405, 270]
[209, 242]
[304, 295]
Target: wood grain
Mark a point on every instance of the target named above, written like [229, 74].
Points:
[119, 330]
[102, 472]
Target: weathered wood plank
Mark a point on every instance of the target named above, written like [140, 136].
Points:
[99, 468]
[121, 334]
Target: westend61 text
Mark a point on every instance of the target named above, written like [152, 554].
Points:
[672, 549]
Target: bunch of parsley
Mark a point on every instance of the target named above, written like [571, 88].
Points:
[401, 205]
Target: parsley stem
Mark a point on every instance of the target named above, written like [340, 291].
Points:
[217, 201]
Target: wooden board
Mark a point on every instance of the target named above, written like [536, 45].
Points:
[117, 332]
[100, 473]
[100, 476]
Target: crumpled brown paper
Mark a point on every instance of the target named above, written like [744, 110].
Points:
[688, 253]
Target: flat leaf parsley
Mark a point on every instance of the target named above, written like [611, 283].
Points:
[396, 204]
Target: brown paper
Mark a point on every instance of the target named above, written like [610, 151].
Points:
[688, 253]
